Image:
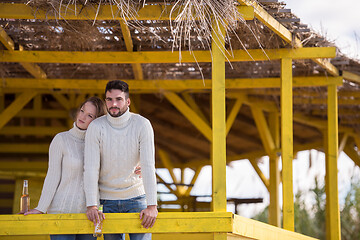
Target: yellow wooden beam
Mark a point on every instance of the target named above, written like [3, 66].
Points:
[285, 34]
[135, 106]
[167, 185]
[351, 76]
[33, 69]
[343, 142]
[260, 173]
[21, 174]
[252, 229]
[42, 113]
[157, 85]
[233, 113]
[65, 102]
[7, 203]
[357, 140]
[165, 159]
[218, 119]
[331, 187]
[8, 43]
[33, 130]
[138, 73]
[6, 40]
[24, 148]
[190, 114]
[32, 166]
[309, 121]
[163, 56]
[263, 130]
[15, 107]
[272, 23]
[274, 172]
[287, 143]
[114, 223]
[7, 188]
[193, 180]
[354, 155]
[37, 105]
[252, 155]
[194, 106]
[325, 64]
[106, 12]
[322, 101]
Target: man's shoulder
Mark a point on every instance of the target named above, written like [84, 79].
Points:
[137, 118]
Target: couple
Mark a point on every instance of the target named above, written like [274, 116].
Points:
[101, 164]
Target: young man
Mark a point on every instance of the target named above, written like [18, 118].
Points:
[114, 145]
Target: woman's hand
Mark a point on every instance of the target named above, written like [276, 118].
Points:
[138, 171]
[33, 211]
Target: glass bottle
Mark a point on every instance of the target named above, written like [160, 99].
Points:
[98, 227]
[25, 199]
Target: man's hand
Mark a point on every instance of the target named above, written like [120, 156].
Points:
[92, 214]
[148, 216]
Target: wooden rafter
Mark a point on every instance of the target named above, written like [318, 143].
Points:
[158, 85]
[106, 12]
[163, 56]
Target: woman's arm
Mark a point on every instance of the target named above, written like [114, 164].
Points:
[53, 176]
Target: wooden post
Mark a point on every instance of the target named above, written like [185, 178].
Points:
[331, 179]
[274, 206]
[218, 123]
[287, 143]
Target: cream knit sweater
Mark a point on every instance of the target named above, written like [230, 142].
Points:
[113, 149]
[63, 190]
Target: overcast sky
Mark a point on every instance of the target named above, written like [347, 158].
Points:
[337, 20]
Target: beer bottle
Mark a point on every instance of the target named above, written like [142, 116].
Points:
[98, 227]
[25, 199]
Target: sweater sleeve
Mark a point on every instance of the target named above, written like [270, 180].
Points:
[92, 165]
[53, 176]
[147, 162]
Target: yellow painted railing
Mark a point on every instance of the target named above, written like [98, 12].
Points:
[171, 222]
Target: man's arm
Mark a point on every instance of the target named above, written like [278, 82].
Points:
[147, 161]
[91, 171]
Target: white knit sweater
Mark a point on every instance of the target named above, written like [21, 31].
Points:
[63, 190]
[113, 149]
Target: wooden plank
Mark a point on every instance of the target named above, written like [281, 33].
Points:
[15, 107]
[252, 229]
[115, 222]
[163, 56]
[164, 84]
[287, 143]
[331, 180]
[106, 12]
[218, 120]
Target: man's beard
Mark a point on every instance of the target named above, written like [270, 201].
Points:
[117, 114]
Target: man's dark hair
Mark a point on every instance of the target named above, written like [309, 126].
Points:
[118, 84]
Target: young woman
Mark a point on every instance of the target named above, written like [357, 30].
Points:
[63, 190]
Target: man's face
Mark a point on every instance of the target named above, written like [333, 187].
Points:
[116, 102]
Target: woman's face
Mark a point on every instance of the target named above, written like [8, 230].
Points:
[85, 116]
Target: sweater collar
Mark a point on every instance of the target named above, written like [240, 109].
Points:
[77, 132]
[118, 121]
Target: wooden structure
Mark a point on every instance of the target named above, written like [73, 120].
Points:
[296, 93]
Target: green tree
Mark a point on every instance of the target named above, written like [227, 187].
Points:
[350, 214]
[312, 222]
